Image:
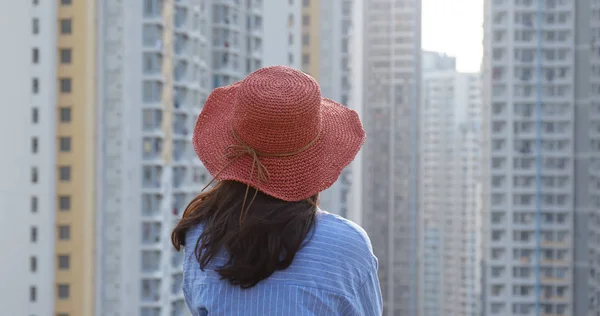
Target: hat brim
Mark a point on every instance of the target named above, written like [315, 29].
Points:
[292, 178]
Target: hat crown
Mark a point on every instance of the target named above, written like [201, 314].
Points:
[277, 110]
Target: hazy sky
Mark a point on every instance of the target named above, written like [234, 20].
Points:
[454, 27]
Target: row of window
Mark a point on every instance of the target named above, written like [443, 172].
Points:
[63, 263]
[63, 260]
[64, 203]
[64, 233]
[63, 292]
[64, 174]
[64, 144]
[65, 85]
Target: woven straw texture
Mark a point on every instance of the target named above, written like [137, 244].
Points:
[303, 141]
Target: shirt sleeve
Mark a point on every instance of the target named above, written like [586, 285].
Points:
[369, 300]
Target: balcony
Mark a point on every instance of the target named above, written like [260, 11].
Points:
[178, 307]
[151, 232]
[180, 98]
[227, 64]
[180, 128]
[179, 203]
[152, 37]
[254, 25]
[181, 46]
[225, 15]
[180, 18]
[150, 290]
[152, 65]
[151, 204]
[152, 120]
[179, 177]
[152, 91]
[153, 10]
[255, 6]
[151, 261]
[200, 176]
[180, 71]
[181, 150]
[152, 150]
[177, 259]
[151, 178]
[176, 283]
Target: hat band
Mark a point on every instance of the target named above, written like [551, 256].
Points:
[235, 151]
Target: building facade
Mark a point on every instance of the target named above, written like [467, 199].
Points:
[28, 161]
[541, 189]
[147, 169]
[449, 188]
[101, 163]
[390, 51]
[283, 28]
[327, 35]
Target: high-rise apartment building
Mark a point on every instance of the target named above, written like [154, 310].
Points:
[153, 75]
[390, 50]
[283, 28]
[327, 35]
[449, 189]
[542, 137]
[48, 202]
[101, 164]
[28, 162]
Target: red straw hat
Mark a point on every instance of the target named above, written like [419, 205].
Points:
[275, 132]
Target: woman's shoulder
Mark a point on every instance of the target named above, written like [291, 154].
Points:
[334, 234]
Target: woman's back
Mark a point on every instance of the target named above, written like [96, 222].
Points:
[334, 273]
[256, 243]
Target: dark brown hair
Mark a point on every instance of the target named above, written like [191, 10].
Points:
[259, 241]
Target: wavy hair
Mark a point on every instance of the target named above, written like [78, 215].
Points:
[259, 240]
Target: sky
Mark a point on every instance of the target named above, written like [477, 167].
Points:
[454, 27]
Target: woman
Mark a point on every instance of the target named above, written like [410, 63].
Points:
[256, 243]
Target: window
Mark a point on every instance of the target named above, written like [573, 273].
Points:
[35, 25]
[306, 3]
[291, 39]
[305, 59]
[62, 314]
[65, 26]
[305, 20]
[290, 58]
[34, 175]
[64, 262]
[305, 39]
[66, 2]
[32, 293]
[63, 291]
[65, 144]
[33, 264]
[64, 203]
[34, 145]
[34, 115]
[64, 173]
[36, 2]
[64, 232]
[35, 55]
[65, 55]
[65, 114]
[65, 85]
[33, 234]
[34, 204]
[35, 85]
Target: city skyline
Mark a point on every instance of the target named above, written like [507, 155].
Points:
[478, 185]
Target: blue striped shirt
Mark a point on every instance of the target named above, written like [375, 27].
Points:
[335, 273]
